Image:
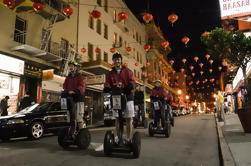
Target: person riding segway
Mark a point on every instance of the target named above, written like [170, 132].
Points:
[72, 99]
[169, 100]
[139, 118]
[120, 83]
[158, 102]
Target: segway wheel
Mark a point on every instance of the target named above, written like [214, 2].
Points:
[136, 144]
[150, 129]
[63, 133]
[108, 142]
[83, 138]
[167, 129]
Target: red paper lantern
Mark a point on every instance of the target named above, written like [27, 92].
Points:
[219, 68]
[184, 60]
[193, 74]
[210, 70]
[9, 3]
[128, 49]
[149, 74]
[185, 40]
[201, 72]
[148, 63]
[197, 82]
[165, 44]
[125, 64]
[147, 17]
[160, 62]
[205, 80]
[38, 7]
[147, 47]
[177, 77]
[67, 11]
[196, 58]
[182, 70]
[191, 68]
[205, 33]
[98, 50]
[95, 14]
[136, 64]
[212, 80]
[173, 71]
[171, 62]
[112, 50]
[211, 61]
[122, 16]
[185, 75]
[201, 64]
[83, 50]
[173, 18]
[207, 56]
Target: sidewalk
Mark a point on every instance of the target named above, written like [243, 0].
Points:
[235, 144]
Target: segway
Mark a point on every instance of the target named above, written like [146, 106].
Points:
[119, 104]
[138, 120]
[154, 128]
[75, 134]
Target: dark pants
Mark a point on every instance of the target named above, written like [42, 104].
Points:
[160, 114]
[141, 112]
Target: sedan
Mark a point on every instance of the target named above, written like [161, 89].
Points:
[34, 121]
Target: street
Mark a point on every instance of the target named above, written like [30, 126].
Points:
[193, 142]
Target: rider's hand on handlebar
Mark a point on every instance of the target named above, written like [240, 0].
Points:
[119, 85]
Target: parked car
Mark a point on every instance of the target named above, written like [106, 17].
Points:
[34, 121]
[176, 111]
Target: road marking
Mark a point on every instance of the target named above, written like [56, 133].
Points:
[96, 146]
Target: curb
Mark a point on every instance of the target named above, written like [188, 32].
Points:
[224, 151]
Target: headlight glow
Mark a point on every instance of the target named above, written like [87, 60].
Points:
[15, 121]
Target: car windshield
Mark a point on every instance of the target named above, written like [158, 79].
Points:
[35, 108]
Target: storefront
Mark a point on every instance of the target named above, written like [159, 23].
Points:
[238, 86]
[11, 70]
[94, 100]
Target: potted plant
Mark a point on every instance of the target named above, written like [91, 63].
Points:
[235, 49]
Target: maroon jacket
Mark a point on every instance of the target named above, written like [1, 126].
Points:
[159, 92]
[75, 83]
[125, 77]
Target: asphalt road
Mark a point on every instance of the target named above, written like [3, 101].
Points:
[193, 142]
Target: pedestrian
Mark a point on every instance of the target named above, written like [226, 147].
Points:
[74, 85]
[139, 102]
[4, 106]
[122, 77]
[26, 101]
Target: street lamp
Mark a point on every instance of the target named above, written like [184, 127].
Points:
[187, 97]
[179, 91]
[214, 95]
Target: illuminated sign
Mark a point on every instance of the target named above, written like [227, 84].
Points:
[12, 65]
[231, 8]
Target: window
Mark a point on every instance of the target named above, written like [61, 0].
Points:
[98, 29]
[138, 75]
[105, 31]
[139, 39]
[90, 51]
[133, 34]
[115, 38]
[64, 48]
[137, 36]
[99, 2]
[20, 30]
[135, 73]
[98, 56]
[120, 41]
[105, 56]
[114, 15]
[141, 58]
[125, 43]
[134, 53]
[105, 5]
[137, 56]
[90, 22]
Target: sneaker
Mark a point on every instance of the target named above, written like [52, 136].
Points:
[127, 142]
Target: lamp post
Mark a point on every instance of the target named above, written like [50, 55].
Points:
[179, 93]
[144, 75]
[187, 98]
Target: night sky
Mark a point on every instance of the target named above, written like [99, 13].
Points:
[195, 17]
